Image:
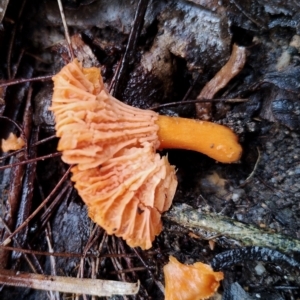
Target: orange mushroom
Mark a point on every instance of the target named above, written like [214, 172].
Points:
[190, 282]
[118, 174]
[125, 184]
[105, 125]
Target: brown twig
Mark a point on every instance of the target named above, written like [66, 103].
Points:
[66, 190]
[24, 253]
[117, 264]
[65, 254]
[95, 235]
[128, 260]
[31, 160]
[131, 270]
[128, 56]
[254, 169]
[187, 94]
[17, 174]
[100, 247]
[184, 102]
[18, 63]
[27, 192]
[67, 35]
[48, 234]
[158, 283]
[24, 80]
[243, 11]
[12, 39]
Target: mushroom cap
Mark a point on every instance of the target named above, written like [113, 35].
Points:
[190, 282]
[124, 183]
[92, 125]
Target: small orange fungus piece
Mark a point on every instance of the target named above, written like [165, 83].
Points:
[214, 140]
[190, 282]
[12, 143]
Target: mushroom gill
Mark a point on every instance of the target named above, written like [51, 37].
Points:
[128, 193]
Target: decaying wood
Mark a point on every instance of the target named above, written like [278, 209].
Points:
[247, 235]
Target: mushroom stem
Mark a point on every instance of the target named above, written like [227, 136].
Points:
[214, 140]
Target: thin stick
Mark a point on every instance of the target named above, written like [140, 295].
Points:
[31, 146]
[54, 294]
[65, 254]
[64, 193]
[170, 104]
[102, 242]
[128, 57]
[133, 269]
[62, 284]
[63, 18]
[191, 88]
[31, 160]
[12, 40]
[247, 15]
[254, 169]
[158, 283]
[18, 63]
[24, 80]
[25, 254]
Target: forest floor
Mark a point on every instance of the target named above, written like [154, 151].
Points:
[172, 50]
